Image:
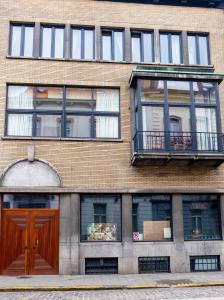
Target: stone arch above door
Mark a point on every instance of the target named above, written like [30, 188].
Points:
[25, 173]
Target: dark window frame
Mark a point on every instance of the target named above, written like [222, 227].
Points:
[169, 34]
[82, 28]
[140, 33]
[171, 216]
[218, 201]
[63, 113]
[22, 38]
[111, 32]
[154, 259]
[166, 104]
[192, 262]
[197, 35]
[52, 27]
[82, 196]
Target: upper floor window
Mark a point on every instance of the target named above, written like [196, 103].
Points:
[142, 47]
[170, 48]
[198, 49]
[43, 111]
[52, 42]
[112, 45]
[21, 40]
[82, 43]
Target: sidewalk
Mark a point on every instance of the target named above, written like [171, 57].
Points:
[100, 282]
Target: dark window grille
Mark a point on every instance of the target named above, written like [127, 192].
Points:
[154, 264]
[101, 265]
[205, 263]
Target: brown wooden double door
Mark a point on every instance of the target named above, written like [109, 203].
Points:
[29, 241]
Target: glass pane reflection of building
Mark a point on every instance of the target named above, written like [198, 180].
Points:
[30, 201]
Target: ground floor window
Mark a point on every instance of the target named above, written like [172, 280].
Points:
[100, 218]
[201, 214]
[103, 265]
[205, 263]
[151, 218]
[153, 264]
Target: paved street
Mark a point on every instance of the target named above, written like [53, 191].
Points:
[202, 293]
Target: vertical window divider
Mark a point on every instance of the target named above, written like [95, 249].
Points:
[140, 119]
[197, 50]
[63, 117]
[34, 120]
[22, 40]
[170, 48]
[218, 120]
[156, 45]
[53, 41]
[93, 121]
[112, 46]
[142, 47]
[37, 40]
[166, 117]
[82, 43]
[193, 118]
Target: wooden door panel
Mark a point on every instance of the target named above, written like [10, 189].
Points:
[15, 239]
[44, 242]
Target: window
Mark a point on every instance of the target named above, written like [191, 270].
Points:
[112, 45]
[82, 43]
[153, 218]
[201, 215]
[170, 48]
[205, 263]
[30, 201]
[198, 49]
[153, 264]
[52, 45]
[100, 218]
[142, 47]
[177, 115]
[62, 112]
[103, 265]
[21, 40]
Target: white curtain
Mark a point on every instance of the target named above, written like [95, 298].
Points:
[107, 100]
[107, 127]
[20, 125]
[20, 97]
[118, 46]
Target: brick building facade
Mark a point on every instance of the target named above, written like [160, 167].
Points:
[117, 160]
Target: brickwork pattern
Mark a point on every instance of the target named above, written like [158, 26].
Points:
[98, 164]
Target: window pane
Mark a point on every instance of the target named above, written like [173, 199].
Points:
[153, 128]
[152, 90]
[49, 98]
[147, 47]
[178, 91]
[20, 97]
[106, 127]
[164, 49]
[192, 50]
[78, 126]
[28, 42]
[89, 44]
[203, 50]
[118, 46]
[180, 128]
[19, 124]
[78, 99]
[136, 48]
[46, 42]
[206, 129]
[101, 218]
[106, 46]
[107, 100]
[16, 40]
[30, 201]
[176, 57]
[153, 218]
[201, 217]
[48, 125]
[204, 92]
[59, 43]
[76, 43]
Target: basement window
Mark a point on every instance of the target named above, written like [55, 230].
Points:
[154, 264]
[205, 263]
[101, 265]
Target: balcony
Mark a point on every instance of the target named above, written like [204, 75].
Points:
[182, 148]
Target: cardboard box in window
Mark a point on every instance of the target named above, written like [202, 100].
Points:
[102, 232]
[156, 230]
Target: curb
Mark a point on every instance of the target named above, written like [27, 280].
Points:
[104, 287]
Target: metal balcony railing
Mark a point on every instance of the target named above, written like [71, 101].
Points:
[163, 141]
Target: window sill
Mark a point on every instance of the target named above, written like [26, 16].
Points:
[110, 61]
[60, 139]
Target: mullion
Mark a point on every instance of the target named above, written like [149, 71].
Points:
[53, 41]
[82, 43]
[170, 47]
[197, 50]
[22, 39]
[142, 56]
[63, 115]
[112, 46]
[193, 117]
[92, 120]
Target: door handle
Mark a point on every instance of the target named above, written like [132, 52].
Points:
[36, 242]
